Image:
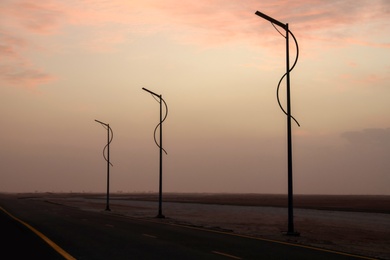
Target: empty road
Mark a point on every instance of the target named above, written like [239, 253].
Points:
[30, 225]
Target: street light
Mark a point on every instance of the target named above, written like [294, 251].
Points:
[160, 100]
[291, 230]
[107, 126]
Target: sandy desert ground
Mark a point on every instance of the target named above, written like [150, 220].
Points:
[352, 224]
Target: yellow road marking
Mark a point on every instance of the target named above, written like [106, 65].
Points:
[42, 236]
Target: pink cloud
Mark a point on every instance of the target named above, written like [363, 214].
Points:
[204, 23]
[24, 76]
[21, 21]
[15, 69]
[221, 22]
[364, 79]
[9, 45]
[40, 17]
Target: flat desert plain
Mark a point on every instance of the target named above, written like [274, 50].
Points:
[351, 224]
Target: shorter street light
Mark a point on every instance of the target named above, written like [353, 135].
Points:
[109, 139]
[160, 100]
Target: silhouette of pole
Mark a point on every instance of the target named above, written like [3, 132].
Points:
[291, 231]
[160, 215]
[108, 169]
[161, 100]
[107, 126]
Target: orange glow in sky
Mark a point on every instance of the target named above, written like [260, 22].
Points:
[66, 63]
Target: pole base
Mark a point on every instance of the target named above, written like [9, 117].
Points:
[160, 216]
[292, 233]
[108, 209]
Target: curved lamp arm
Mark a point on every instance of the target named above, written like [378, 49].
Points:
[280, 81]
[106, 126]
[285, 27]
[160, 99]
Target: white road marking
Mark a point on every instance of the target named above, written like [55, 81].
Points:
[147, 235]
[227, 255]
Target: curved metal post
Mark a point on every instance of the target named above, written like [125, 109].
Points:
[160, 100]
[109, 139]
[291, 231]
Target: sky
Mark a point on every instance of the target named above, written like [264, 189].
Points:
[65, 64]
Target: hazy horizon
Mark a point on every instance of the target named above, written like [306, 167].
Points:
[156, 193]
[217, 65]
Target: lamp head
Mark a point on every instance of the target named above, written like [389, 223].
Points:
[272, 20]
[151, 92]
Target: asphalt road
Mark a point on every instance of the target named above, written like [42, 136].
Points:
[29, 226]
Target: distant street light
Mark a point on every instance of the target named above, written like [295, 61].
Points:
[291, 230]
[161, 100]
[107, 126]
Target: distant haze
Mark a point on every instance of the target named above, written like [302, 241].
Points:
[217, 65]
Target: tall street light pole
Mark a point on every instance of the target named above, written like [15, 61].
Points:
[160, 100]
[109, 139]
[291, 230]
